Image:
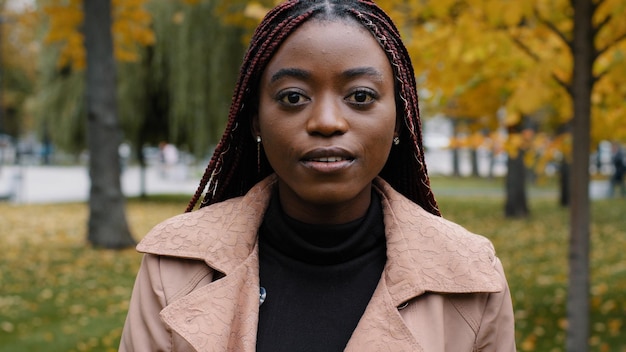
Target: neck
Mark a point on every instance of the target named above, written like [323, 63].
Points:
[331, 213]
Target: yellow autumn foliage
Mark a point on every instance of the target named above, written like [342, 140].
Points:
[131, 28]
[18, 40]
[65, 19]
[473, 57]
[519, 52]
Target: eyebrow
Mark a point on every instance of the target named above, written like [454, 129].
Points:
[350, 73]
[290, 72]
[364, 71]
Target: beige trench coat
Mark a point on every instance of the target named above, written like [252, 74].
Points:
[442, 288]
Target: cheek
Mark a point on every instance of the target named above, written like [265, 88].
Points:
[385, 129]
[381, 143]
[381, 148]
[278, 142]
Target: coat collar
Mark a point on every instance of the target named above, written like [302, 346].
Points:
[223, 234]
[425, 253]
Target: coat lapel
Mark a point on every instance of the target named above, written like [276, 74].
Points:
[381, 327]
[222, 315]
[425, 253]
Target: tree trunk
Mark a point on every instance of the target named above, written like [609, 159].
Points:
[516, 202]
[474, 161]
[141, 159]
[578, 295]
[2, 128]
[108, 227]
[492, 163]
[456, 159]
[564, 179]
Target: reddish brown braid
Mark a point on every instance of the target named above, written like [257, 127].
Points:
[407, 163]
[233, 168]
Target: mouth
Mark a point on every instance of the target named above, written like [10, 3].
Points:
[328, 159]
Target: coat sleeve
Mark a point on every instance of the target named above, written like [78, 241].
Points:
[497, 327]
[143, 329]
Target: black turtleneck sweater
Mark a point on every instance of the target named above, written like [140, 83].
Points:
[318, 279]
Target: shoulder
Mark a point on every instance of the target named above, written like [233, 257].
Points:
[444, 256]
[188, 234]
[418, 225]
[221, 234]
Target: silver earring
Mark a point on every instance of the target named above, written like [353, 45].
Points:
[396, 140]
[258, 154]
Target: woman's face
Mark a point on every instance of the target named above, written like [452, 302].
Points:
[327, 118]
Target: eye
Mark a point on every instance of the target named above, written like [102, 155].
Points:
[291, 98]
[362, 97]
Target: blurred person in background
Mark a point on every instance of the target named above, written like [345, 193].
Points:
[168, 154]
[619, 168]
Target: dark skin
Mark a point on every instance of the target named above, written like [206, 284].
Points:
[327, 119]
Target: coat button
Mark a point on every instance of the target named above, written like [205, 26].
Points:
[262, 295]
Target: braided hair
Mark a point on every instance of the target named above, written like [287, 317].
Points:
[236, 164]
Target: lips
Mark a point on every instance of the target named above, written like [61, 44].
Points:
[327, 160]
[331, 159]
[328, 155]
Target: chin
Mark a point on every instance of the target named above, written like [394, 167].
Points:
[332, 195]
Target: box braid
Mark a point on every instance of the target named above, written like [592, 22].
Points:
[234, 168]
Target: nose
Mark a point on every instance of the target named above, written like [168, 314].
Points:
[326, 118]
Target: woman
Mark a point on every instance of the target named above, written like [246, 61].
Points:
[318, 230]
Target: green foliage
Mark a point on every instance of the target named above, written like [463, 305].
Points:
[17, 68]
[194, 62]
[59, 106]
[175, 76]
[60, 295]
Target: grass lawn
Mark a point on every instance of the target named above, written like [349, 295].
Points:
[58, 294]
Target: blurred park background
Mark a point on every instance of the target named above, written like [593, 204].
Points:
[523, 106]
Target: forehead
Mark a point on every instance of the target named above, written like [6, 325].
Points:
[332, 44]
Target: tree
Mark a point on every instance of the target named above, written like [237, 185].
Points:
[17, 68]
[107, 220]
[572, 60]
[176, 73]
[179, 90]
[59, 103]
[186, 77]
[584, 51]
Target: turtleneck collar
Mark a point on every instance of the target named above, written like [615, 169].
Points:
[321, 244]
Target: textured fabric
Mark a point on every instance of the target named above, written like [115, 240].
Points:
[318, 279]
[200, 276]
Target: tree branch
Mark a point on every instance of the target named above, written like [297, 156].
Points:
[553, 28]
[608, 46]
[596, 78]
[525, 48]
[600, 25]
[596, 4]
[537, 58]
[562, 83]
